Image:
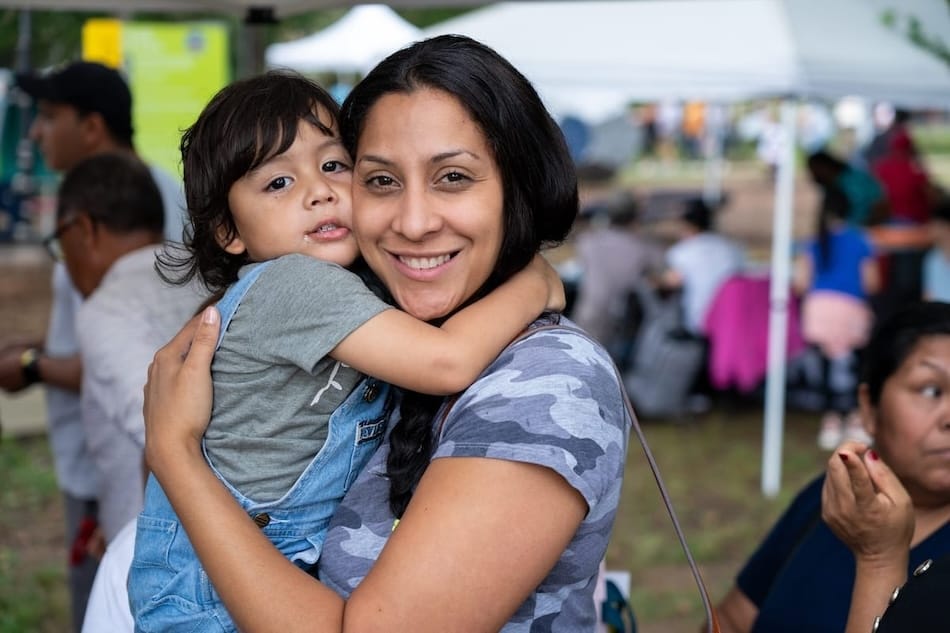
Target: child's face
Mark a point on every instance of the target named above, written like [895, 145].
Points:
[297, 202]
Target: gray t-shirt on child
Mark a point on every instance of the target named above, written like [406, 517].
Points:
[274, 385]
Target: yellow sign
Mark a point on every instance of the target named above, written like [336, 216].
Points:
[173, 70]
[102, 41]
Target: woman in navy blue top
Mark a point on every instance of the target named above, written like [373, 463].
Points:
[800, 577]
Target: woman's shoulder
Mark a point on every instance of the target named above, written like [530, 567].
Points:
[553, 371]
[555, 336]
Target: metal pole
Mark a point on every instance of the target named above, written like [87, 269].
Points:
[778, 307]
[23, 184]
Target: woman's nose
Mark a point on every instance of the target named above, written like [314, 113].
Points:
[417, 216]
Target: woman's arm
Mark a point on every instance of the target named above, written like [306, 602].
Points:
[736, 612]
[866, 507]
[477, 538]
[400, 349]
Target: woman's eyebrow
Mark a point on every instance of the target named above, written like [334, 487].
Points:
[372, 158]
[436, 159]
[936, 366]
[444, 156]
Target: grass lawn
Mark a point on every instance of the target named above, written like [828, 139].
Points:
[711, 466]
[712, 469]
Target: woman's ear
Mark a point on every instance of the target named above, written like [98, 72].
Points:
[868, 410]
[232, 244]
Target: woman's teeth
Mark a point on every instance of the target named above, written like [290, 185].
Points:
[424, 263]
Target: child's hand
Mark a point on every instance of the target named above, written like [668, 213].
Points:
[556, 299]
[178, 394]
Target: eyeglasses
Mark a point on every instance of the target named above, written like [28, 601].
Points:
[52, 243]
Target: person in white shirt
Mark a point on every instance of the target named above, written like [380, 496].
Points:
[109, 223]
[699, 263]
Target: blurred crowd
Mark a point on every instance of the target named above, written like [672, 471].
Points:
[672, 297]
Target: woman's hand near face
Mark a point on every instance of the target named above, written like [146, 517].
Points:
[178, 394]
[556, 299]
[867, 507]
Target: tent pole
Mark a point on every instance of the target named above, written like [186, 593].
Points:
[778, 306]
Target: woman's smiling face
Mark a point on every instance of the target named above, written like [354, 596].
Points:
[427, 201]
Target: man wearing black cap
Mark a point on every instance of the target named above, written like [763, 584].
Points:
[83, 109]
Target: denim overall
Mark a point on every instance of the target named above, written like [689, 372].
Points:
[170, 591]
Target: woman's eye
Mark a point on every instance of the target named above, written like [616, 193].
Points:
[454, 177]
[278, 183]
[380, 181]
[931, 391]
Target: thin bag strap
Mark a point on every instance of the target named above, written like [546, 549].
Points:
[712, 622]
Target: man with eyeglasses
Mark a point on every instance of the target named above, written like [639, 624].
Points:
[83, 109]
[109, 223]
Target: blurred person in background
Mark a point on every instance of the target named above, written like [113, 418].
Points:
[866, 198]
[910, 193]
[699, 263]
[614, 258]
[936, 267]
[83, 109]
[110, 222]
[835, 273]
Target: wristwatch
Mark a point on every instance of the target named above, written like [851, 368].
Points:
[30, 366]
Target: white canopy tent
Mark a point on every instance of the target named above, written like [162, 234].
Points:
[596, 55]
[353, 44]
[718, 51]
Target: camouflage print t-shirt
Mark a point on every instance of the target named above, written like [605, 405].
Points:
[550, 399]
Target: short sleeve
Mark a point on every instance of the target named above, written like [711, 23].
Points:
[552, 399]
[299, 309]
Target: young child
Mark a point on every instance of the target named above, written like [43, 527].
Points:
[835, 273]
[936, 268]
[293, 421]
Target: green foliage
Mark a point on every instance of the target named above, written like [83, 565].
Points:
[917, 33]
[712, 471]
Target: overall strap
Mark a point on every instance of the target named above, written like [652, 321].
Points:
[229, 303]
[712, 622]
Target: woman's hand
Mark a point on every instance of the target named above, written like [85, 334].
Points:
[866, 506]
[556, 298]
[178, 394]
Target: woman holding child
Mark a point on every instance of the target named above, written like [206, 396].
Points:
[489, 511]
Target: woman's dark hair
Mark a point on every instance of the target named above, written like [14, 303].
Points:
[538, 178]
[894, 339]
[835, 205]
[244, 125]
